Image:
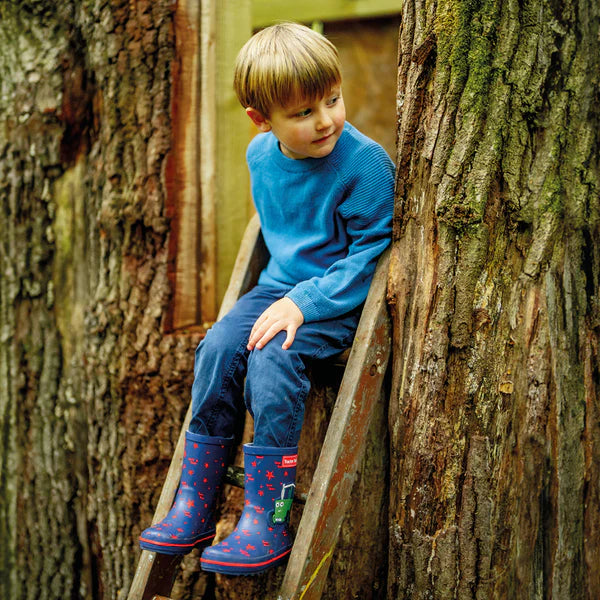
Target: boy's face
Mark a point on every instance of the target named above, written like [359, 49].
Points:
[306, 128]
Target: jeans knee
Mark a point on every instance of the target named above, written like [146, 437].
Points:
[219, 354]
[272, 357]
[217, 338]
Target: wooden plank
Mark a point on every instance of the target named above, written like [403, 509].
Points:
[342, 449]
[207, 138]
[182, 176]
[233, 135]
[154, 575]
[368, 51]
[267, 12]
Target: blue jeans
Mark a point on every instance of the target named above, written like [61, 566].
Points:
[275, 385]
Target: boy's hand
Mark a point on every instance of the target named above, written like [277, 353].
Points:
[283, 314]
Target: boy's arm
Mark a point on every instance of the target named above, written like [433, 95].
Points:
[344, 286]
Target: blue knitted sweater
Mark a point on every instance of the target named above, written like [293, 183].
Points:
[325, 220]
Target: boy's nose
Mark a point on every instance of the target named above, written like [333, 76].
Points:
[324, 121]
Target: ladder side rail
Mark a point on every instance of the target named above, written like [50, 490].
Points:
[343, 447]
[155, 574]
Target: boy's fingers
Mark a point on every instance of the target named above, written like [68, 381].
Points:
[260, 326]
[255, 339]
[257, 324]
[252, 339]
[291, 334]
[268, 335]
[259, 336]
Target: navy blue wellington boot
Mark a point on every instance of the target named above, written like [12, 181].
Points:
[261, 539]
[190, 522]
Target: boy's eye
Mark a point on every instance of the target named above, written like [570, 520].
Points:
[303, 113]
[333, 99]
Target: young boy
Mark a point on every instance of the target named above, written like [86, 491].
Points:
[324, 194]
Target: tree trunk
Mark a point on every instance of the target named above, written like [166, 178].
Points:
[494, 287]
[92, 392]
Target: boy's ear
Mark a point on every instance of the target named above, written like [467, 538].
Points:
[258, 119]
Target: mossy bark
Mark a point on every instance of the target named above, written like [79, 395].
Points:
[494, 290]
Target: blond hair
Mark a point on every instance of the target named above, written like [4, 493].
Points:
[285, 63]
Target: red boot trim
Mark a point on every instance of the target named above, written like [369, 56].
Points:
[242, 564]
[170, 545]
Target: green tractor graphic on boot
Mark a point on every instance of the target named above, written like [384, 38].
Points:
[284, 504]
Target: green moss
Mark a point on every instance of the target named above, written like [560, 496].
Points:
[552, 195]
[453, 32]
[446, 20]
[467, 43]
[464, 217]
[466, 34]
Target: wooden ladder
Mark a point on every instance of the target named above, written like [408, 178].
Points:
[341, 453]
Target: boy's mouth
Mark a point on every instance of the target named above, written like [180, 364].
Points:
[323, 139]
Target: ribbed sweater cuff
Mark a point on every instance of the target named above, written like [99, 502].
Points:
[305, 303]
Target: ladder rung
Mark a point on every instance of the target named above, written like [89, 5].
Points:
[235, 476]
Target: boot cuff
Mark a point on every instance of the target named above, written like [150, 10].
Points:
[253, 450]
[209, 439]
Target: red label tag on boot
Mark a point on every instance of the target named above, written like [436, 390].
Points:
[289, 461]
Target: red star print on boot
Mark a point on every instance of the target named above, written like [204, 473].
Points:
[261, 539]
[190, 522]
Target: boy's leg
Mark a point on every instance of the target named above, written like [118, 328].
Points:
[220, 367]
[191, 522]
[277, 384]
[219, 371]
[276, 387]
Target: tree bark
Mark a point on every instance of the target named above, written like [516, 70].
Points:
[494, 289]
[92, 392]
[38, 474]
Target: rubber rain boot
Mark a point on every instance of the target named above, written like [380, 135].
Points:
[261, 539]
[190, 522]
